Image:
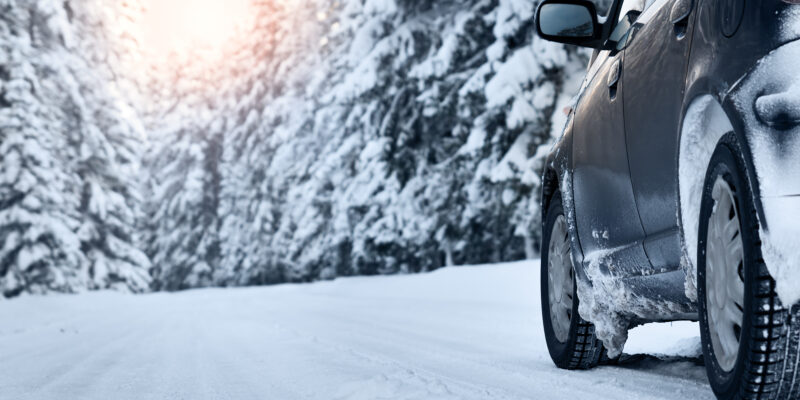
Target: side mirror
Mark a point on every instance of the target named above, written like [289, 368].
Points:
[570, 22]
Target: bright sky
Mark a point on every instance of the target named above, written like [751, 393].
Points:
[181, 25]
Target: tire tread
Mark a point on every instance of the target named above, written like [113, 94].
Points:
[772, 365]
[588, 349]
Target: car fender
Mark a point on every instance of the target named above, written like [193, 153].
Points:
[558, 179]
[713, 111]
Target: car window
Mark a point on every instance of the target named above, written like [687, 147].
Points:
[628, 6]
[602, 7]
[624, 21]
[629, 12]
[633, 5]
[620, 33]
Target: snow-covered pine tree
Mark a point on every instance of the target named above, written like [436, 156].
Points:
[359, 137]
[389, 136]
[182, 218]
[39, 199]
[185, 101]
[110, 158]
[70, 161]
[183, 186]
[355, 138]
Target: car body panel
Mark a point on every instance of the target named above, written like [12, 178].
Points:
[601, 175]
[718, 63]
[656, 59]
[722, 68]
[725, 43]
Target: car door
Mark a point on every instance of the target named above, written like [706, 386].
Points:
[605, 207]
[656, 59]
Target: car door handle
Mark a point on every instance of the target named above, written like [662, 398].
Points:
[681, 11]
[614, 75]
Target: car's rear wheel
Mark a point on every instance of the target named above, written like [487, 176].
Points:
[571, 340]
[750, 341]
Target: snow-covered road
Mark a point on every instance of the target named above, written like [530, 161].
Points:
[458, 333]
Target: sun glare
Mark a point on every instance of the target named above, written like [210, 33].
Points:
[181, 26]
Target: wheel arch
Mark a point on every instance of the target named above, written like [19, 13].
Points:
[707, 119]
[550, 187]
[557, 179]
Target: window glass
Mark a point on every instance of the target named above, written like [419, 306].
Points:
[628, 13]
[634, 5]
[631, 5]
[621, 32]
[602, 7]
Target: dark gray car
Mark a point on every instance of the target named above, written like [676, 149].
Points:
[674, 193]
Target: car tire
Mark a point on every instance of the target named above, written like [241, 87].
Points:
[572, 343]
[755, 358]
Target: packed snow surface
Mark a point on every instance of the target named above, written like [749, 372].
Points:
[458, 333]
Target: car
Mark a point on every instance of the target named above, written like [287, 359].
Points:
[674, 192]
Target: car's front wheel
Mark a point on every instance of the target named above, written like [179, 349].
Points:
[571, 340]
[750, 343]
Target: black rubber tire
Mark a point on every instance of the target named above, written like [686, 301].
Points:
[582, 350]
[768, 349]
